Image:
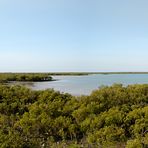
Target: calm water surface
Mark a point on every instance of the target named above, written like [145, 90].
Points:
[84, 85]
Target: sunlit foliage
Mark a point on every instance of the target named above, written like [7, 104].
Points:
[113, 116]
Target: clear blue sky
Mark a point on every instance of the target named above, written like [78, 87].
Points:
[73, 35]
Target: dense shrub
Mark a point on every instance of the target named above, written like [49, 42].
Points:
[113, 116]
[30, 77]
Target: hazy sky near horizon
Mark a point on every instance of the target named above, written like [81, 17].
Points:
[73, 35]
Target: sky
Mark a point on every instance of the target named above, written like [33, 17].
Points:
[73, 35]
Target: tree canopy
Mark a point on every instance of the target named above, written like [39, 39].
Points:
[114, 116]
[30, 77]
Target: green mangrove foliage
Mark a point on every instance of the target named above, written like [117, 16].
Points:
[113, 116]
[89, 73]
[32, 77]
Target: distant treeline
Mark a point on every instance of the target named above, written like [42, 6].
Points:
[33, 77]
[88, 73]
[121, 73]
[69, 73]
[113, 117]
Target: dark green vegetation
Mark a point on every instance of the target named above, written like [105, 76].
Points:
[88, 73]
[110, 117]
[69, 73]
[30, 77]
[39, 77]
